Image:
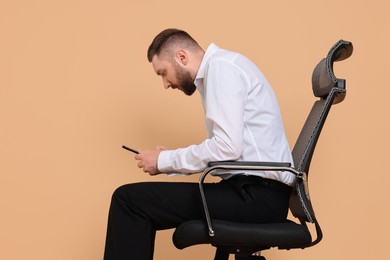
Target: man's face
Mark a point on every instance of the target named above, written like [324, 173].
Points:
[173, 75]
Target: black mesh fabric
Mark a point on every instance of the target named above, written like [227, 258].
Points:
[306, 139]
[283, 235]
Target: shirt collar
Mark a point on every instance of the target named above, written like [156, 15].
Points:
[208, 54]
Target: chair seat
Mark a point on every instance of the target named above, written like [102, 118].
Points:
[284, 235]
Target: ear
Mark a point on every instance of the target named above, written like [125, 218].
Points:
[182, 57]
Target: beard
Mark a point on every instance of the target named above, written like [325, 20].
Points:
[184, 81]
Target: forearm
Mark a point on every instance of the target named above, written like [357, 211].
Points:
[195, 158]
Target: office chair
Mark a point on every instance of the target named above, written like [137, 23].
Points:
[246, 241]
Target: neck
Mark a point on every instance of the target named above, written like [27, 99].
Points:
[197, 60]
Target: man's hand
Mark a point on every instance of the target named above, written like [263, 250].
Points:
[148, 160]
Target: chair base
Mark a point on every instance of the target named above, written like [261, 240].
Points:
[223, 255]
[251, 257]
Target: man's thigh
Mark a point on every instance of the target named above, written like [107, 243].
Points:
[167, 204]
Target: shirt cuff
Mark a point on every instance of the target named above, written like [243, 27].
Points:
[164, 163]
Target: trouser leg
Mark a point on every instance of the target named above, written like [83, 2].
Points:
[138, 210]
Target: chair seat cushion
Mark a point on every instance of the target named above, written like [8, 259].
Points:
[284, 235]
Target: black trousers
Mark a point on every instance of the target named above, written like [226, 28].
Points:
[138, 210]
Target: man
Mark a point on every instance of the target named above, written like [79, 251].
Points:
[243, 122]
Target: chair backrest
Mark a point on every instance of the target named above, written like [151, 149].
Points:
[330, 90]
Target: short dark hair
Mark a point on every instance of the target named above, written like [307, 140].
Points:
[166, 38]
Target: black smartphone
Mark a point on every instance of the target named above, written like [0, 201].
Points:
[130, 149]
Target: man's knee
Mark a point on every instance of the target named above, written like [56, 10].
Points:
[128, 192]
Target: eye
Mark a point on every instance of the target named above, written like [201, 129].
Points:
[162, 73]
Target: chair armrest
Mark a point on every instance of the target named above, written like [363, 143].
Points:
[239, 165]
[249, 163]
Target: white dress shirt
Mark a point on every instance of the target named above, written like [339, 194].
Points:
[242, 118]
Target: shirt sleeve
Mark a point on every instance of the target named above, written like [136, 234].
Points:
[224, 103]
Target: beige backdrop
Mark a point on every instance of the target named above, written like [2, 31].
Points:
[75, 85]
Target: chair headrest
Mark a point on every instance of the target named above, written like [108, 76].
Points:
[323, 78]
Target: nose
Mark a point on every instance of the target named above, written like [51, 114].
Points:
[166, 83]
